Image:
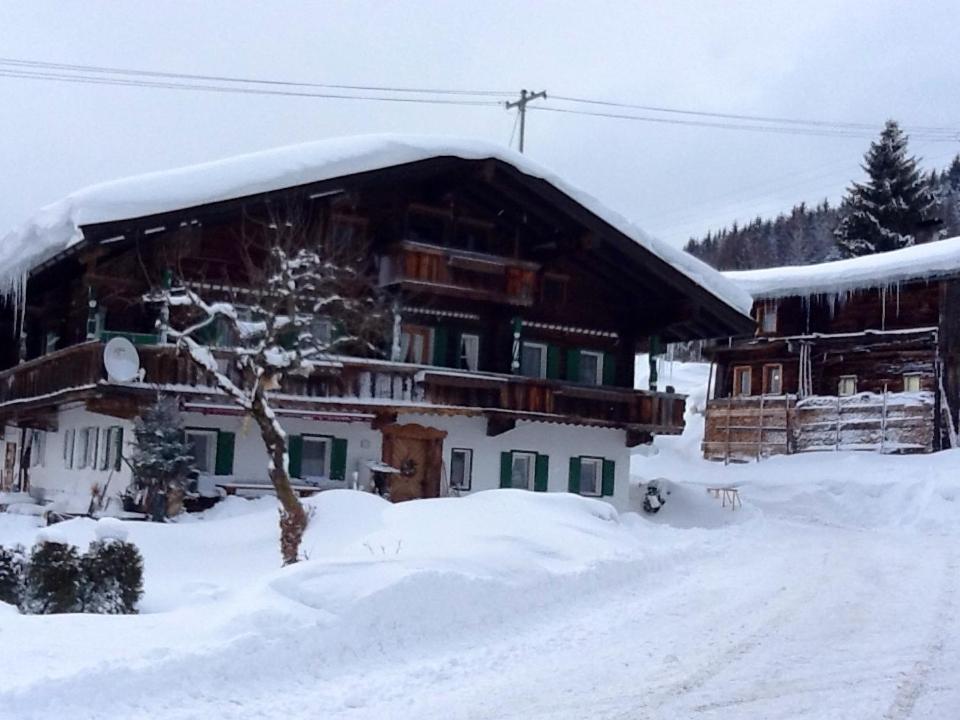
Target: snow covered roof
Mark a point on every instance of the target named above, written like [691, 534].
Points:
[919, 262]
[58, 226]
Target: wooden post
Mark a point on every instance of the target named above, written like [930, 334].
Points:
[726, 453]
[760, 428]
[883, 421]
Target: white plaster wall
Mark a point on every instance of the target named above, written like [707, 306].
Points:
[250, 454]
[559, 442]
[53, 478]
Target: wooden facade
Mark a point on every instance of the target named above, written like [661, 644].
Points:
[472, 253]
[870, 368]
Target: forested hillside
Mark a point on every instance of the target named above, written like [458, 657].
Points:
[805, 235]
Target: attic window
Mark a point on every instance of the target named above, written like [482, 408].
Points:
[847, 385]
[767, 317]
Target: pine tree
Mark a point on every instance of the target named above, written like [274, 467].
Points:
[885, 212]
[162, 459]
[53, 580]
[12, 563]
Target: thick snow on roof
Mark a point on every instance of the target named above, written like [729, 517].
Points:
[58, 226]
[919, 262]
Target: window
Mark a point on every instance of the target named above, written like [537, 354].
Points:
[847, 385]
[114, 447]
[415, 344]
[522, 468]
[773, 379]
[322, 331]
[69, 439]
[469, 352]
[533, 360]
[101, 461]
[591, 476]
[741, 380]
[38, 446]
[767, 319]
[461, 468]
[87, 447]
[911, 382]
[591, 367]
[315, 462]
[203, 444]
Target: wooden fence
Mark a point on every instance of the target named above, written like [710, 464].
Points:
[755, 427]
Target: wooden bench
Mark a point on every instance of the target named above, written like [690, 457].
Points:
[726, 495]
[231, 488]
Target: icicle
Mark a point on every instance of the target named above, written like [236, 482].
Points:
[883, 307]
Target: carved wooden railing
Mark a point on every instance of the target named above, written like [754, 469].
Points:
[365, 382]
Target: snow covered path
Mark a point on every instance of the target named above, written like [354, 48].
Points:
[773, 618]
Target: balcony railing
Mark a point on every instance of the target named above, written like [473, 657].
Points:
[354, 383]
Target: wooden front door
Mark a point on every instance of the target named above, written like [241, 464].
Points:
[416, 451]
[9, 466]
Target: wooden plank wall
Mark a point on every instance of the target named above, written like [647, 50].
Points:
[748, 428]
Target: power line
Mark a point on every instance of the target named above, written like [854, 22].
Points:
[96, 80]
[739, 116]
[252, 81]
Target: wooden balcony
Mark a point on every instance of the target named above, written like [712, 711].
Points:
[31, 392]
[460, 273]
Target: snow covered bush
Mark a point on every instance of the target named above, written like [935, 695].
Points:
[12, 562]
[112, 577]
[53, 579]
[162, 459]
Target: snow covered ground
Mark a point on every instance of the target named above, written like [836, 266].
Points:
[832, 594]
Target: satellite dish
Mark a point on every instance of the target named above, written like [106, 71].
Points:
[121, 360]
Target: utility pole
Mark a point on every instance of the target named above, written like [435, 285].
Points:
[521, 105]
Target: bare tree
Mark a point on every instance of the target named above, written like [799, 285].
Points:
[304, 298]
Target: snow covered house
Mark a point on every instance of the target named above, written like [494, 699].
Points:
[859, 354]
[520, 303]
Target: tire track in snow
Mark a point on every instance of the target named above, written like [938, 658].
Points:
[914, 682]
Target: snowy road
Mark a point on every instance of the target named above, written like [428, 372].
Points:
[771, 619]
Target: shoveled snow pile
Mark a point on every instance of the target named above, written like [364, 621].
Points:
[58, 226]
[882, 270]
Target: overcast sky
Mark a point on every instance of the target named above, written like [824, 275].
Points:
[849, 61]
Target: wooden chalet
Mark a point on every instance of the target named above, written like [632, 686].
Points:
[521, 306]
[858, 354]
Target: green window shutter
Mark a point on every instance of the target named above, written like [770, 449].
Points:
[553, 362]
[224, 462]
[455, 349]
[609, 470]
[338, 459]
[506, 467]
[118, 460]
[541, 472]
[609, 369]
[574, 485]
[441, 340]
[573, 365]
[295, 453]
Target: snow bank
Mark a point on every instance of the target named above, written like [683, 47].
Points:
[919, 262]
[58, 226]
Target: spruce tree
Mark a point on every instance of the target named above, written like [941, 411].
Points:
[885, 212]
[162, 459]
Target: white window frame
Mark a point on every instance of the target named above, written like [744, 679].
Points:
[113, 447]
[211, 447]
[840, 385]
[324, 440]
[87, 458]
[767, 390]
[469, 358]
[593, 462]
[918, 377]
[543, 357]
[467, 482]
[38, 445]
[737, 390]
[598, 380]
[69, 441]
[531, 471]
